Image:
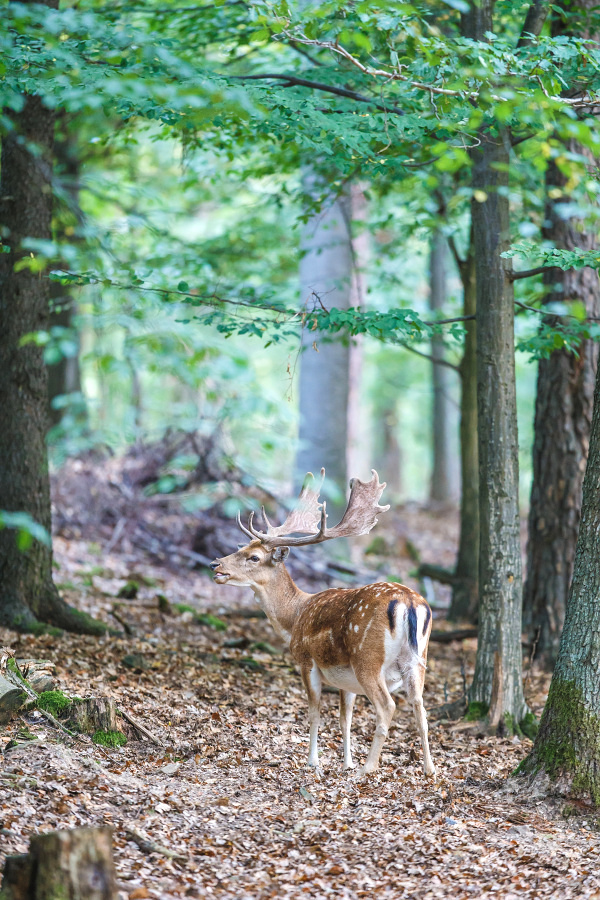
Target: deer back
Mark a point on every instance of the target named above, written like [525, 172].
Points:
[361, 626]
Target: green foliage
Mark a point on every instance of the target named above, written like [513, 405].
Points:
[55, 702]
[529, 725]
[26, 527]
[192, 130]
[109, 739]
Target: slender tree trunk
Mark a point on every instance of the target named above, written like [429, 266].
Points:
[358, 451]
[64, 375]
[326, 277]
[567, 747]
[498, 663]
[563, 415]
[27, 593]
[465, 590]
[441, 475]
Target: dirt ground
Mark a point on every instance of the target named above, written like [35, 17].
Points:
[228, 791]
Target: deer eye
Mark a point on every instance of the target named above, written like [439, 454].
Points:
[255, 559]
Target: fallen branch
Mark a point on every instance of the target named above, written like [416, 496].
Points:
[139, 727]
[149, 846]
[437, 573]
[459, 634]
[453, 710]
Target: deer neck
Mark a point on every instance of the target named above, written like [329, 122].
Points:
[281, 600]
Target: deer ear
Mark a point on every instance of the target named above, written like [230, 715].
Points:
[280, 553]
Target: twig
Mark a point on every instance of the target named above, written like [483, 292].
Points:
[439, 362]
[56, 723]
[141, 728]
[149, 846]
[538, 632]
[125, 625]
[116, 535]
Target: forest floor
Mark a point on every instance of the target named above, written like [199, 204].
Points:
[228, 792]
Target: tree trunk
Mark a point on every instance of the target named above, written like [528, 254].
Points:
[64, 377]
[567, 746]
[465, 589]
[358, 451]
[325, 277]
[27, 593]
[74, 864]
[500, 585]
[441, 487]
[563, 414]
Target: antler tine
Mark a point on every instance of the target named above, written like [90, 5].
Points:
[238, 519]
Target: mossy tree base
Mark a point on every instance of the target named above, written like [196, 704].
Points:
[49, 615]
[567, 746]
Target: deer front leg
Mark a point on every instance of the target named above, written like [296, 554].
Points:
[311, 678]
[346, 706]
[385, 708]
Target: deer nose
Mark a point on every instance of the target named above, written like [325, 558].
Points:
[215, 564]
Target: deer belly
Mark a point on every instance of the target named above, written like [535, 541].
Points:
[341, 677]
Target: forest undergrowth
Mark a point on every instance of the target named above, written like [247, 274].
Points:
[226, 800]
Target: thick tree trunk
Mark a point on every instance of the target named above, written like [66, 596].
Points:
[326, 277]
[441, 487]
[27, 593]
[563, 415]
[465, 589]
[498, 663]
[567, 747]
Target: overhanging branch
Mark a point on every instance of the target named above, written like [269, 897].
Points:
[294, 81]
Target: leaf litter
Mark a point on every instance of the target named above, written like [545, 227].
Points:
[226, 806]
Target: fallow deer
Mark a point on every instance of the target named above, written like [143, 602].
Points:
[367, 640]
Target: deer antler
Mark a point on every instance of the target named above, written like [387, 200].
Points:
[304, 519]
[360, 516]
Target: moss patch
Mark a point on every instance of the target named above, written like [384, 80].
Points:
[476, 710]
[202, 618]
[54, 702]
[109, 738]
[568, 743]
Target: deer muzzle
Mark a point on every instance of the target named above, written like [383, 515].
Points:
[220, 576]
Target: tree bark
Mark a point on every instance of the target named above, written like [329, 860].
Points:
[465, 590]
[441, 487]
[64, 375]
[75, 864]
[563, 414]
[27, 593]
[500, 582]
[567, 746]
[326, 277]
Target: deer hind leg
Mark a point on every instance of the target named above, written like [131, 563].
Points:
[311, 678]
[414, 690]
[385, 708]
[346, 706]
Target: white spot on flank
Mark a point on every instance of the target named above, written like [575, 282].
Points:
[356, 627]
